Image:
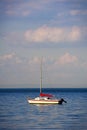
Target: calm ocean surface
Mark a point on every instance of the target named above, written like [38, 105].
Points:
[17, 114]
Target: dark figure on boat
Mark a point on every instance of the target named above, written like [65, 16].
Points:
[61, 101]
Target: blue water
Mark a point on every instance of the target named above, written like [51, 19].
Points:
[17, 114]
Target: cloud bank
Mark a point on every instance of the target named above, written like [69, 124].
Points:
[17, 69]
[53, 34]
[65, 59]
[46, 36]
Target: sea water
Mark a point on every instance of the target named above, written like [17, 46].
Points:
[17, 114]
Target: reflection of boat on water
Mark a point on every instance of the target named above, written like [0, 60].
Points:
[45, 99]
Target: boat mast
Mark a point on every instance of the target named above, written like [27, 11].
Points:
[41, 77]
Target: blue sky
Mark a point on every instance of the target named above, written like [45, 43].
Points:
[53, 29]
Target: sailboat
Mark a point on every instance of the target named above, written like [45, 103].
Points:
[43, 98]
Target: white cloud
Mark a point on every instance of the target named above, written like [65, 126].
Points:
[50, 62]
[53, 64]
[57, 70]
[18, 9]
[46, 35]
[26, 13]
[78, 12]
[7, 56]
[25, 8]
[74, 34]
[67, 59]
[53, 34]
[18, 13]
[34, 60]
[10, 58]
[64, 61]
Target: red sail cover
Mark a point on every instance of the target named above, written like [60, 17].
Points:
[46, 95]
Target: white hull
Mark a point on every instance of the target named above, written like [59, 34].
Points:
[32, 101]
